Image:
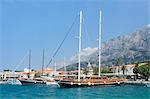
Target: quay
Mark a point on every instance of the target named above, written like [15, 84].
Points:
[138, 83]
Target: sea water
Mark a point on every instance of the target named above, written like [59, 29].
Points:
[55, 92]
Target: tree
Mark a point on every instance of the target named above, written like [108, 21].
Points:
[123, 69]
[95, 70]
[136, 69]
[105, 70]
[143, 70]
[118, 62]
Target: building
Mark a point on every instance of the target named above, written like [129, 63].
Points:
[90, 69]
[124, 69]
[6, 74]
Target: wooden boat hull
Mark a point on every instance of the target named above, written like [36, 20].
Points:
[88, 84]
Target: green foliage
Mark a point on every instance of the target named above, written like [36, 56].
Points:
[143, 70]
[124, 69]
[95, 70]
[105, 70]
[136, 68]
[18, 71]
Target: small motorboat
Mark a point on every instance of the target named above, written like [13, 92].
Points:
[3, 82]
[51, 82]
[13, 81]
[147, 84]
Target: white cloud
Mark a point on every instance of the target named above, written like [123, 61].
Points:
[85, 53]
[148, 25]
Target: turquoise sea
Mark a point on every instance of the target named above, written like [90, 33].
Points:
[54, 92]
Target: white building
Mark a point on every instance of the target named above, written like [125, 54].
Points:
[128, 69]
[8, 74]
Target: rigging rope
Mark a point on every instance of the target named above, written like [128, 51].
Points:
[68, 32]
[21, 61]
[88, 39]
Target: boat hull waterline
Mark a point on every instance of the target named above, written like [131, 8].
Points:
[69, 84]
[32, 82]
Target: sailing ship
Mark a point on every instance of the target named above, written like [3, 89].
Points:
[93, 80]
[29, 81]
[50, 80]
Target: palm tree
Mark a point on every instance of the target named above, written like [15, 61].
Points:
[135, 70]
[124, 69]
[118, 62]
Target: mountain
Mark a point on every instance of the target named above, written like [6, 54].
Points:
[134, 47]
[131, 48]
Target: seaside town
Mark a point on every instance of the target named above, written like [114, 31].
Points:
[90, 49]
[134, 74]
[92, 74]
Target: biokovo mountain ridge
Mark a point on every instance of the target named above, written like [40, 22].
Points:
[132, 48]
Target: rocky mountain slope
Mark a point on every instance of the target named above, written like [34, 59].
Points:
[134, 47]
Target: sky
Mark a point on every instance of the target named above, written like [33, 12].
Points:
[38, 24]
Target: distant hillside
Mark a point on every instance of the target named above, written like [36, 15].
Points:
[134, 47]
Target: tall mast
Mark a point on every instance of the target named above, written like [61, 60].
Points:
[99, 42]
[43, 60]
[55, 67]
[80, 33]
[29, 62]
[64, 64]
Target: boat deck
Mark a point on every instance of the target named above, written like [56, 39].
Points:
[90, 82]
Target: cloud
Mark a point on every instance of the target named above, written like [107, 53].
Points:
[148, 25]
[85, 53]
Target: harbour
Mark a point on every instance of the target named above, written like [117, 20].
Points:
[53, 92]
[74, 50]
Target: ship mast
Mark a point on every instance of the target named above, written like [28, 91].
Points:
[29, 62]
[64, 65]
[55, 67]
[79, 57]
[43, 60]
[99, 42]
